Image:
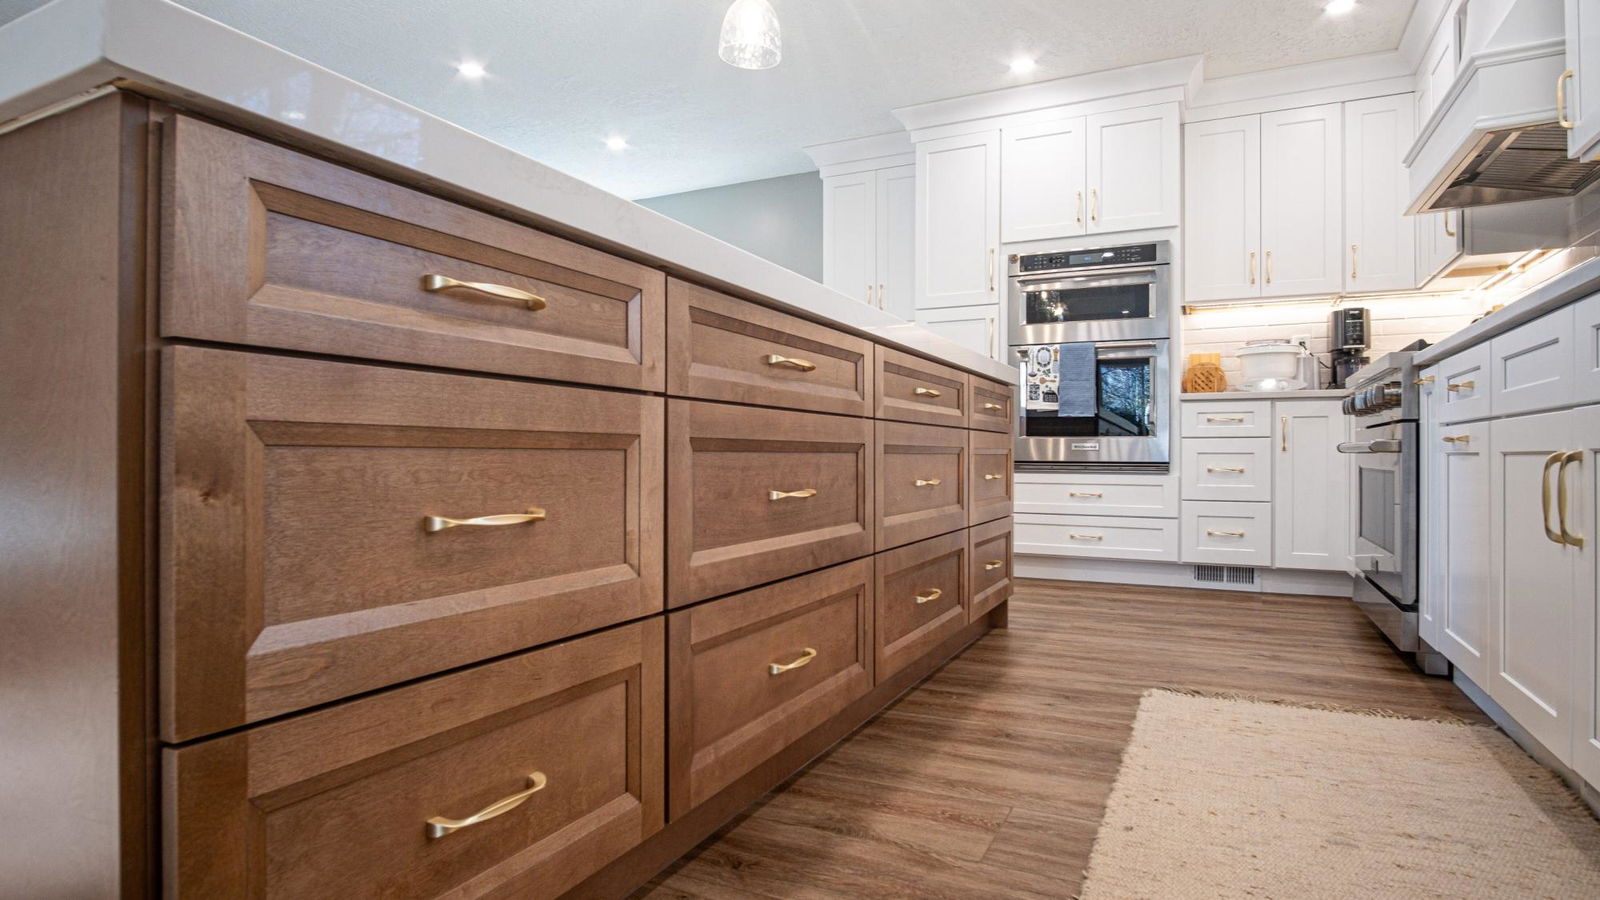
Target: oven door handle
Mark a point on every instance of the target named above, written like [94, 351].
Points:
[1112, 278]
[1380, 446]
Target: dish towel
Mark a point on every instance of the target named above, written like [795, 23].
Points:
[1079, 397]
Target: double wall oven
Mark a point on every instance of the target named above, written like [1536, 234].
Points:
[1090, 336]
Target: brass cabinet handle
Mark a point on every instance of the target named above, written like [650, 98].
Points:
[1079, 215]
[1571, 456]
[993, 564]
[1355, 250]
[1283, 426]
[995, 406]
[880, 296]
[800, 494]
[790, 362]
[1224, 418]
[930, 595]
[1237, 470]
[1461, 385]
[1094, 204]
[1457, 439]
[1424, 381]
[927, 392]
[1252, 267]
[1448, 231]
[780, 668]
[432, 524]
[439, 826]
[992, 476]
[991, 269]
[1544, 495]
[927, 482]
[869, 295]
[1269, 267]
[1086, 537]
[1232, 534]
[433, 284]
[1561, 100]
[1095, 494]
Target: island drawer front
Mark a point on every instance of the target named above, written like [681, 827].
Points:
[912, 389]
[991, 405]
[756, 495]
[990, 564]
[338, 802]
[754, 672]
[992, 476]
[299, 560]
[266, 246]
[723, 348]
[1226, 418]
[921, 599]
[922, 482]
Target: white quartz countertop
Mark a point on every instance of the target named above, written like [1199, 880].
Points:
[1574, 284]
[1265, 395]
[64, 50]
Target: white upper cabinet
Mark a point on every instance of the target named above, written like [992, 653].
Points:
[897, 239]
[1380, 242]
[1438, 242]
[1438, 69]
[1133, 170]
[1043, 193]
[1582, 87]
[958, 221]
[1222, 218]
[1302, 193]
[850, 230]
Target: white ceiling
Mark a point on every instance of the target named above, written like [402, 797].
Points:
[564, 74]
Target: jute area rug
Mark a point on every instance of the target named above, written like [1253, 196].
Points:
[1237, 798]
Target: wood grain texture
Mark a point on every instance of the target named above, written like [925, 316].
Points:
[922, 488]
[296, 566]
[989, 778]
[989, 565]
[991, 405]
[921, 599]
[992, 476]
[718, 349]
[267, 246]
[334, 803]
[913, 389]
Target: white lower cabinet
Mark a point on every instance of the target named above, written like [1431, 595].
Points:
[1532, 365]
[1311, 526]
[1232, 534]
[1106, 537]
[1098, 494]
[1583, 525]
[1227, 469]
[1457, 478]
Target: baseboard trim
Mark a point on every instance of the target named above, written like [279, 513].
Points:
[1179, 575]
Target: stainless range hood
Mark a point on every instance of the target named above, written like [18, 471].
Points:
[1517, 164]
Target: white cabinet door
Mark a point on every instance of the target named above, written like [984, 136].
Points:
[1457, 531]
[1439, 63]
[1532, 607]
[1438, 242]
[1583, 87]
[1586, 350]
[1584, 499]
[958, 220]
[1222, 215]
[1133, 168]
[1430, 548]
[1309, 493]
[850, 235]
[1531, 366]
[1380, 242]
[897, 240]
[976, 328]
[1042, 173]
[1302, 198]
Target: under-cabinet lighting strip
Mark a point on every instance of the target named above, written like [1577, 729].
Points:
[1332, 302]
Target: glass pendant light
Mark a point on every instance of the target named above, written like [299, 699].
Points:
[750, 38]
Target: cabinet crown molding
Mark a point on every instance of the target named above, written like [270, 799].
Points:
[878, 151]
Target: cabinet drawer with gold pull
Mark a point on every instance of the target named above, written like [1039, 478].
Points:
[1228, 468]
[913, 389]
[335, 528]
[1230, 418]
[724, 348]
[1227, 533]
[991, 466]
[755, 495]
[529, 773]
[920, 599]
[922, 482]
[989, 572]
[753, 671]
[992, 404]
[270, 247]
[1465, 378]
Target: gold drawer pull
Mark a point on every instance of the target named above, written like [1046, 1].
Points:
[1095, 494]
[926, 392]
[931, 595]
[1424, 381]
[1224, 418]
[439, 826]
[1234, 534]
[1237, 470]
[1086, 537]
[995, 406]
[927, 482]
[433, 284]
[1458, 439]
[800, 494]
[993, 564]
[992, 476]
[780, 668]
[433, 524]
[1461, 386]
[774, 359]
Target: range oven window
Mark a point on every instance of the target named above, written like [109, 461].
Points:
[1124, 400]
[1047, 305]
[1378, 511]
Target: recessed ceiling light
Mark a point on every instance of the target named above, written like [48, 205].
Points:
[471, 69]
[616, 143]
[1339, 7]
[1022, 65]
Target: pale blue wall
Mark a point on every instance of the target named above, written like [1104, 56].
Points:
[776, 218]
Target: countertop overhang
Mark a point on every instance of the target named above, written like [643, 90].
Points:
[1570, 286]
[67, 50]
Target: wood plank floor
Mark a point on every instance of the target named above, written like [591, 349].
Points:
[989, 778]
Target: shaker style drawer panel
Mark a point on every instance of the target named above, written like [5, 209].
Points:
[1225, 418]
[1098, 494]
[523, 776]
[752, 673]
[922, 482]
[330, 528]
[989, 566]
[1233, 534]
[1586, 351]
[991, 405]
[1464, 393]
[991, 476]
[912, 389]
[263, 245]
[721, 348]
[1532, 365]
[761, 494]
[921, 599]
[1227, 469]
[1098, 537]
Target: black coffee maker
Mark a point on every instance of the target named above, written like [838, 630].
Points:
[1349, 336]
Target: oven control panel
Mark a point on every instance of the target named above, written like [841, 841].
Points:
[1126, 255]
